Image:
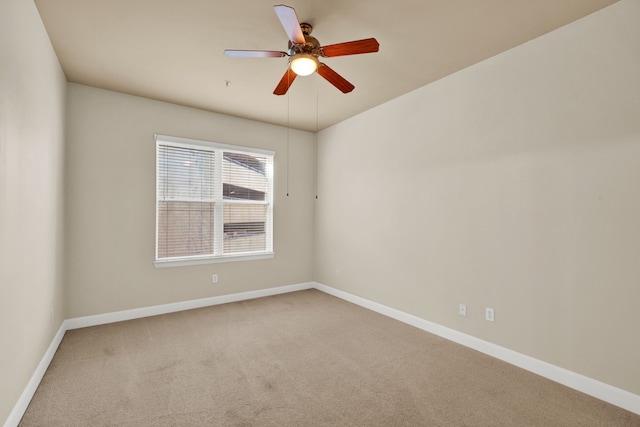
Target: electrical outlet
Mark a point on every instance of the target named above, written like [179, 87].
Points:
[214, 278]
[489, 314]
[462, 310]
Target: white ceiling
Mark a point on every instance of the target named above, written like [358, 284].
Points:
[173, 50]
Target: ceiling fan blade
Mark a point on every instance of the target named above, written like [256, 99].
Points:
[351, 48]
[285, 82]
[254, 53]
[335, 79]
[289, 21]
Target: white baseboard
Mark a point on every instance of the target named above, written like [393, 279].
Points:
[137, 313]
[18, 410]
[597, 389]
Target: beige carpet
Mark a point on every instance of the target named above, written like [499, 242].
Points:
[299, 359]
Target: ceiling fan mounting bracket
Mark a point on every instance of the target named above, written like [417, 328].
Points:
[306, 28]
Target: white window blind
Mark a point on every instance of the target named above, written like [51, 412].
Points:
[213, 201]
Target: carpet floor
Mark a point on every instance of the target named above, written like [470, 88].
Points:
[298, 359]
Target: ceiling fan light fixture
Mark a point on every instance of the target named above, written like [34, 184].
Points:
[304, 64]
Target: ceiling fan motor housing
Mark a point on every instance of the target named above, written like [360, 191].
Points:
[311, 45]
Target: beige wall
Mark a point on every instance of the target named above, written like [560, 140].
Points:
[110, 204]
[32, 96]
[513, 184]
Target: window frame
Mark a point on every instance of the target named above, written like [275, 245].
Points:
[219, 202]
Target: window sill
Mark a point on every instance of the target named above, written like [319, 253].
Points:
[228, 258]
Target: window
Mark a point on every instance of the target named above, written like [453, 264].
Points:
[214, 202]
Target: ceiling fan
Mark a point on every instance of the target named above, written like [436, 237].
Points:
[304, 51]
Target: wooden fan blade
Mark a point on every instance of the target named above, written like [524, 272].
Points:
[289, 21]
[285, 82]
[254, 53]
[351, 48]
[335, 79]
